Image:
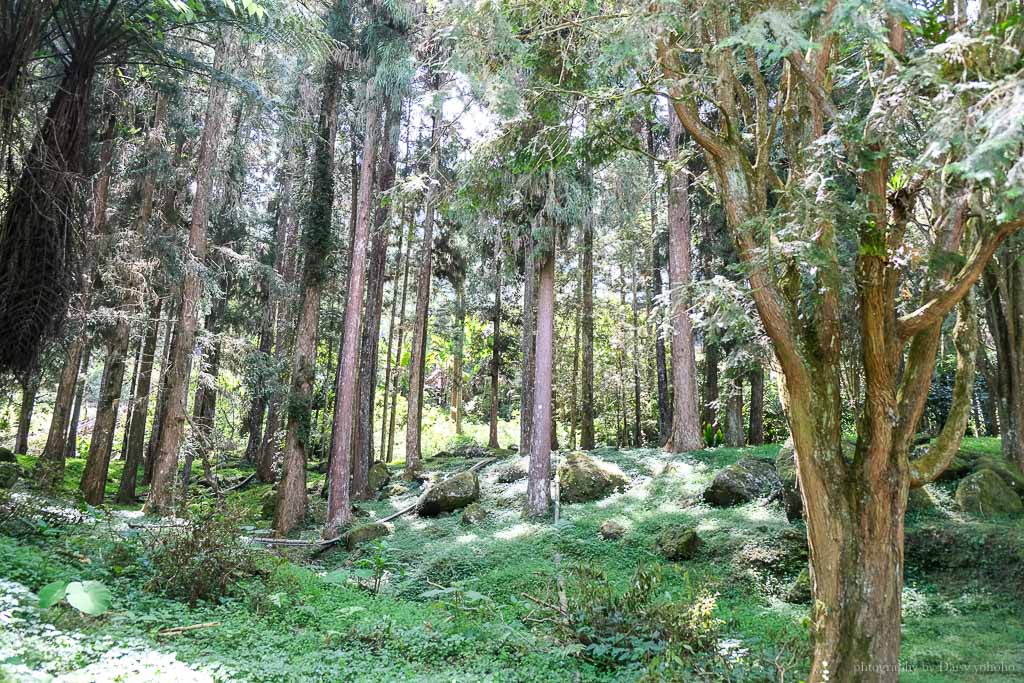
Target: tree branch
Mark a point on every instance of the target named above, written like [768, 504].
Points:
[946, 297]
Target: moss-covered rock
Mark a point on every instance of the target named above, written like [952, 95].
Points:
[474, 514]
[799, 592]
[363, 533]
[785, 468]
[959, 467]
[984, 493]
[268, 503]
[583, 479]
[920, 500]
[611, 530]
[378, 477]
[7, 455]
[9, 474]
[512, 472]
[678, 543]
[1007, 471]
[746, 480]
[451, 494]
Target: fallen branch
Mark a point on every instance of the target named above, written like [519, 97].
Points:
[185, 629]
[542, 603]
[235, 487]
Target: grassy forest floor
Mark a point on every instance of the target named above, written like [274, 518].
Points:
[440, 600]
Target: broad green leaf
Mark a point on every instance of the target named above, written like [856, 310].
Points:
[89, 597]
[52, 593]
[338, 576]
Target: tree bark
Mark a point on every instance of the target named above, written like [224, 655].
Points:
[94, 478]
[755, 419]
[369, 345]
[734, 415]
[587, 334]
[574, 409]
[637, 419]
[457, 353]
[398, 350]
[137, 433]
[29, 388]
[49, 471]
[71, 445]
[413, 456]
[686, 427]
[538, 490]
[665, 407]
[492, 438]
[529, 345]
[165, 465]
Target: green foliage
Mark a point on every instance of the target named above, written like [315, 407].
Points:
[88, 597]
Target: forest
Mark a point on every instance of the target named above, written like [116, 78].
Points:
[512, 340]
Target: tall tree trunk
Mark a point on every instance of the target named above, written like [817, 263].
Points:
[457, 352]
[401, 341]
[204, 405]
[665, 407]
[574, 411]
[755, 424]
[161, 402]
[369, 345]
[390, 367]
[417, 362]
[135, 450]
[49, 472]
[686, 427]
[291, 490]
[587, 336]
[492, 439]
[71, 445]
[165, 465]
[529, 345]
[538, 490]
[29, 388]
[344, 450]
[130, 413]
[991, 408]
[637, 420]
[709, 403]
[1003, 283]
[94, 478]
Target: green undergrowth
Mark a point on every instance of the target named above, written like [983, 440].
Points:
[461, 602]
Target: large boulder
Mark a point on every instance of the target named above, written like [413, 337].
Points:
[9, 474]
[451, 494]
[984, 493]
[378, 477]
[785, 468]
[678, 543]
[7, 455]
[746, 480]
[583, 479]
[356, 536]
[1007, 471]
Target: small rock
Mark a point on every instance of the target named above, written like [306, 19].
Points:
[395, 489]
[363, 533]
[378, 477]
[474, 514]
[984, 493]
[451, 494]
[512, 473]
[7, 455]
[785, 467]
[679, 543]
[9, 474]
[583, 479]
[268, 503]
[611, 530]
[746, 480]
[799, 592]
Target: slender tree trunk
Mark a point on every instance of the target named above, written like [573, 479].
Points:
[755, 428]
[71, 445]
[637, 420]
[538, 490]
[29, 388]
[413, 456]
[369, 345]
[665, 407]
[390, 367]
[161, 402]
[734, 415]
[712, 357]
[137, 433]
[529, 346]
[574, 412]
[165, 465]
[49, 471]
[400, 344]
[990, 407]
[130, 412]
[204, 405]
[492, 440]
[342, 459]
[587, 337]
[457, 352]
[686, 427]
